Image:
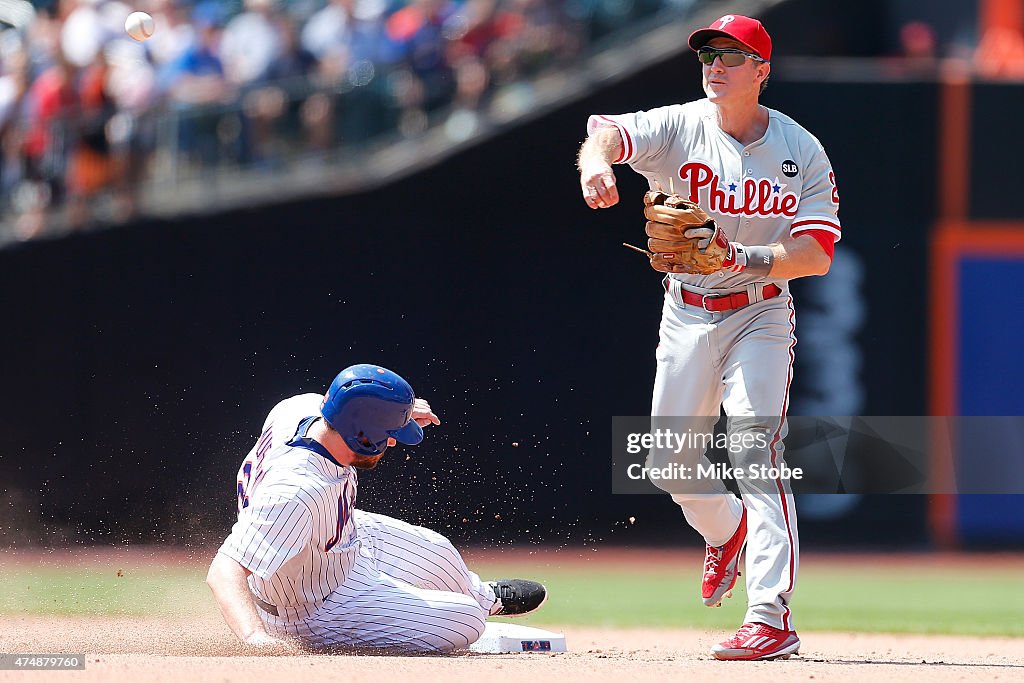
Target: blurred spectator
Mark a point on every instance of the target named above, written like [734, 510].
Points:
[176, 33]
[132, 84]
[88, 27]
[548, 37]
[348, 39]
[252, 42]
[472, 30]
[265, 106]
[346, 34]
[538, 34]
[196, 76]
[14, 84]
[295, 61]
[51, 101]
[471, 85]
[132, 78]
[417, 31]
[195, 81]
[42, 40]
[90, 165]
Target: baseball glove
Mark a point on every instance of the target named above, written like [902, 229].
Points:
[683, 238]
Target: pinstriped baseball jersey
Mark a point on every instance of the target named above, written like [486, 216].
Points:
[409, 591]
[781, 184]
[336, 575]
[295, 528]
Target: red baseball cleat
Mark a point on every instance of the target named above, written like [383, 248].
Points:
[758, 641]
[721, 566]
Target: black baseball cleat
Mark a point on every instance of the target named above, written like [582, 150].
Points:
[516, 597]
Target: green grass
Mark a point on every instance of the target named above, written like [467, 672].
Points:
[94, 591]
[984, 603]
[916, 600]
[922, 599]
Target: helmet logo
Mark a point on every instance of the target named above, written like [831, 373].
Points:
[727, 19]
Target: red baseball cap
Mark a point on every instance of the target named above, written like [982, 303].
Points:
[748, 31]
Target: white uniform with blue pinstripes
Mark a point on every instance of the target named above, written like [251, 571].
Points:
[337, 575]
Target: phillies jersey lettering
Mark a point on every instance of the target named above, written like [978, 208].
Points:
[759, 193]
[746, 197]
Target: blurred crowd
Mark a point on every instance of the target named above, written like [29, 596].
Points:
[85, 111]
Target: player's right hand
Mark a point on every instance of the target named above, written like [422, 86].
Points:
[598, 183]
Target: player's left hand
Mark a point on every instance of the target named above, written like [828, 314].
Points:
[423, 415]
[682, 237]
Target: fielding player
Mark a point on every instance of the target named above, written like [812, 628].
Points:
[302, 561]
[727, 329]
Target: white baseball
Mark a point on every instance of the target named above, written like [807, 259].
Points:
[139, 25]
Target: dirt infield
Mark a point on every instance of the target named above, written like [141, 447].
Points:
[199, 647]
[126, 650]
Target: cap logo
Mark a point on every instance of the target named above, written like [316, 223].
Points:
[727, 19]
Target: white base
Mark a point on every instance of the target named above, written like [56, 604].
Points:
[500, 637]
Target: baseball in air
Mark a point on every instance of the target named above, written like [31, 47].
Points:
[139, 25]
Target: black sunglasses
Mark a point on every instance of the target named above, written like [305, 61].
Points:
[730, 56]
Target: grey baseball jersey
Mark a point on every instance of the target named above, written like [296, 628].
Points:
[740, 360]
[781, 185]
[336, 575]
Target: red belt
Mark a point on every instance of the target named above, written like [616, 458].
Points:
[726, 302]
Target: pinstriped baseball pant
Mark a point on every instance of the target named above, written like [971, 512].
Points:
[742, 361]
[409, 591]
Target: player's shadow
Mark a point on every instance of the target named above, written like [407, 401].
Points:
[886, 662]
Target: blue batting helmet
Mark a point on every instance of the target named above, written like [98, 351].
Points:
[367, 405]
